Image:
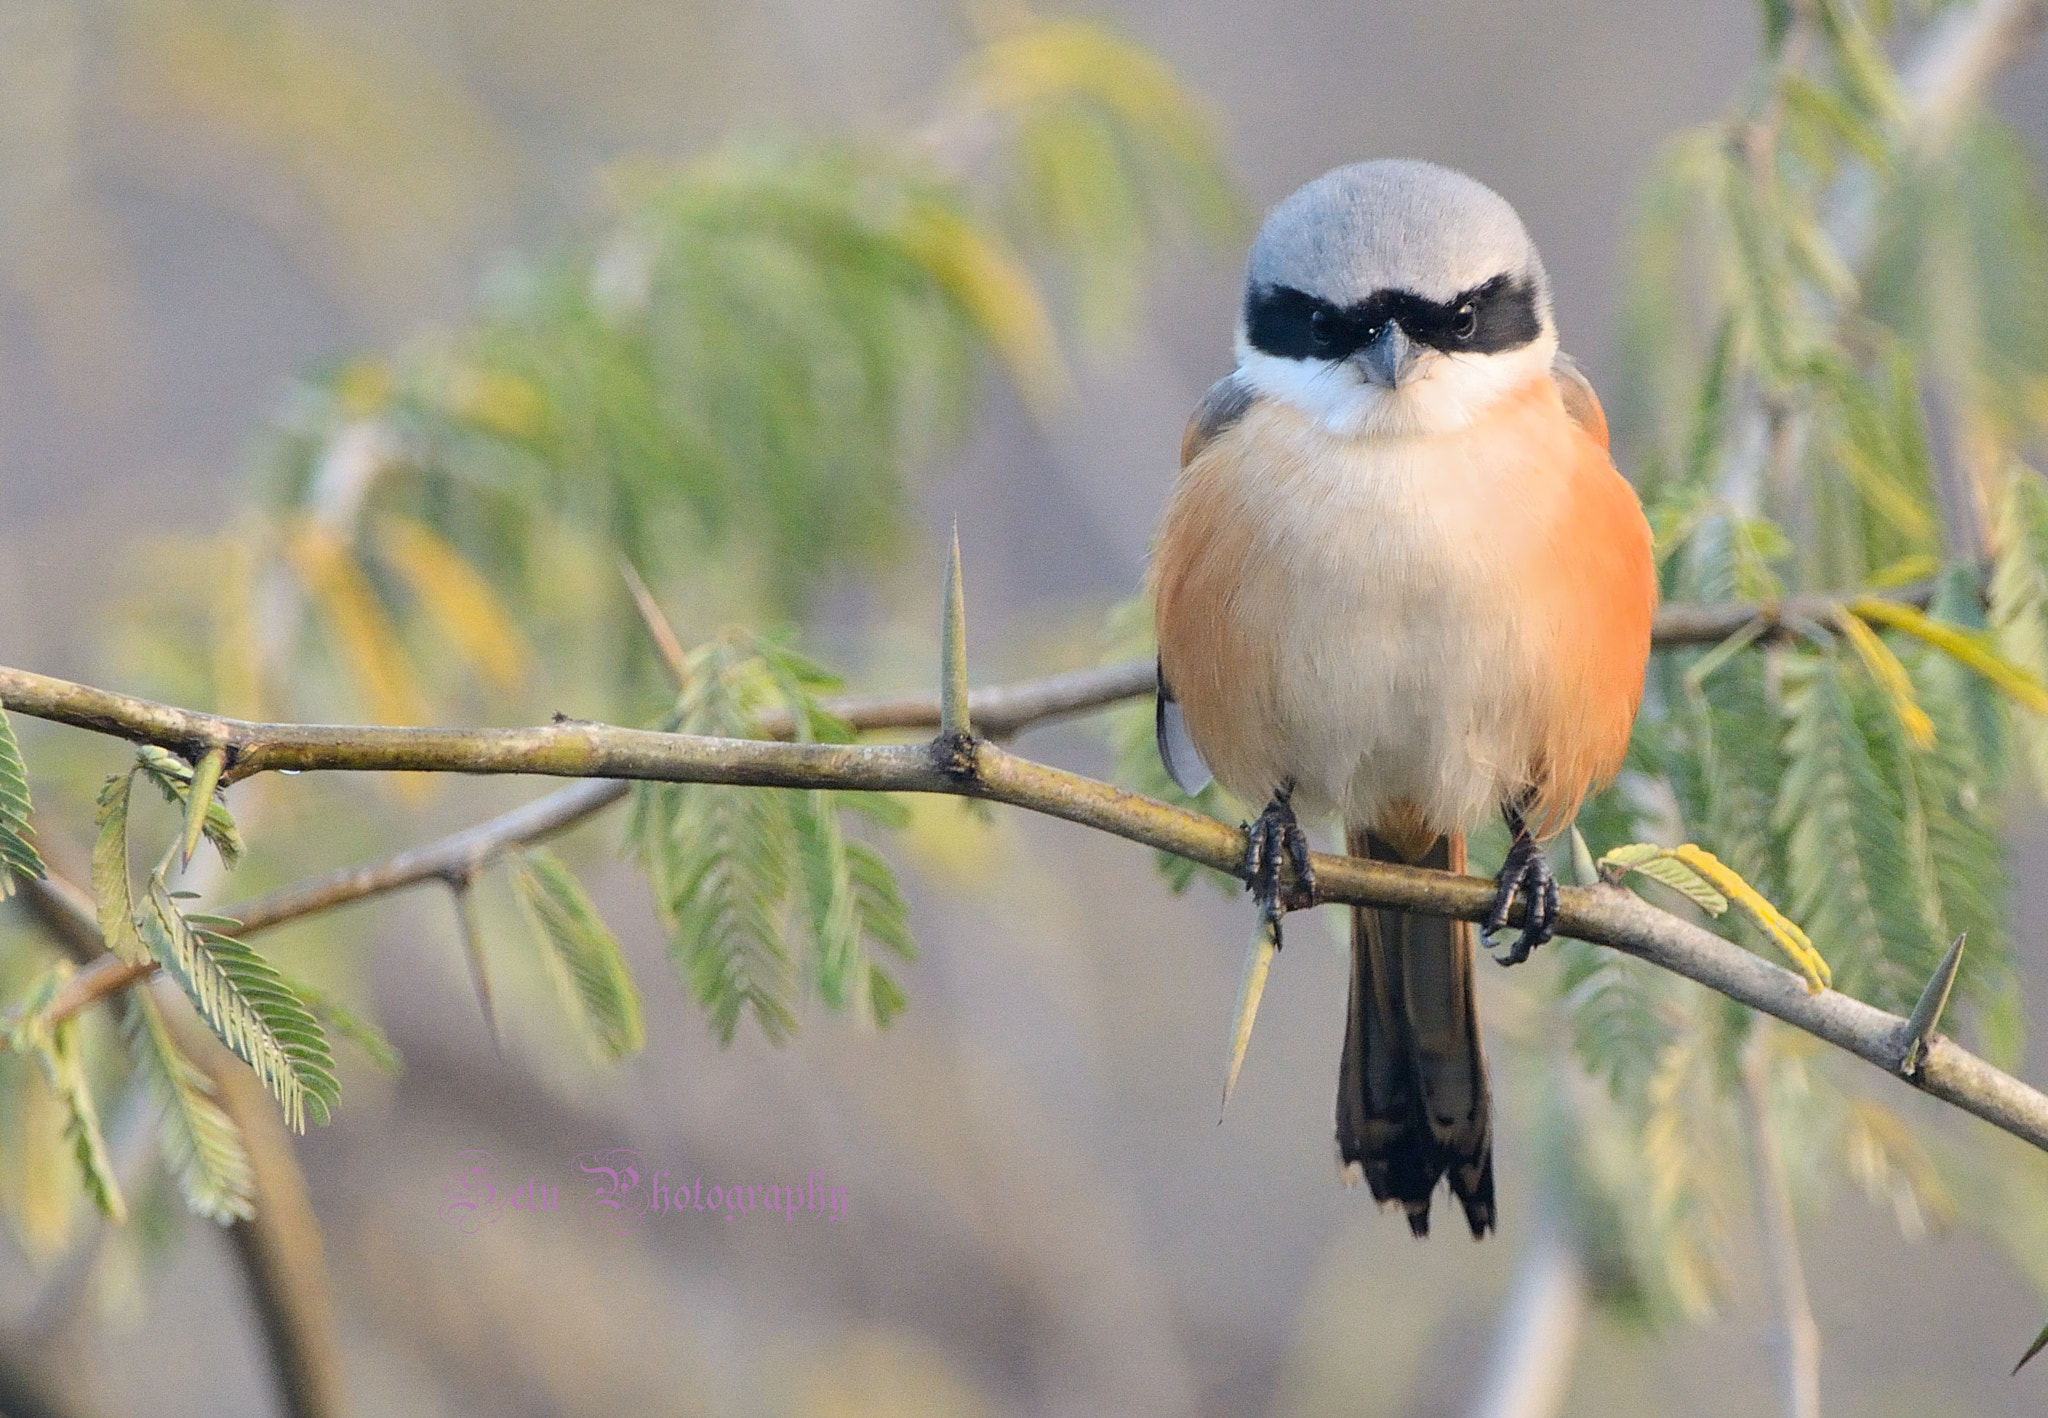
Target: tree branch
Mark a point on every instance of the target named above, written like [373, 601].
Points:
[1604, 915]
[1798, 1333]
[1001, 710]
[998, 711]
[1529, 1372]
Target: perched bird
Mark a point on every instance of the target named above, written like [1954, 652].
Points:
[1400, 582]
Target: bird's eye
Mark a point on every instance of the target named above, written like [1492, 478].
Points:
[1465, 323]
[1319, 323]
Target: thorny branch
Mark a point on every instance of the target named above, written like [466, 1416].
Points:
[1605, 915]
[997, 712]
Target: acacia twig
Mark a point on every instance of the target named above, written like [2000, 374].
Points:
[1529, 1372]
[998, 712]
[1001, 711]
[1604, 915]
[1798, 1332]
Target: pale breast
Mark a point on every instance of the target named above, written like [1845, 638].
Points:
[1343, 613]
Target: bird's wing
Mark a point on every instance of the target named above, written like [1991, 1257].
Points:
[1222, 406]
[1176, 749]
[1579, 399]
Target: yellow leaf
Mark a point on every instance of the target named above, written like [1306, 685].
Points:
[364, 387]
[1662, 864]
[1711, 884]
[363, 634]
[987, 280]
[1788, 936]
[1880, 488]
[1890, 675]
[503, 403]
[235, 562]
[1972, 651]
[1913, 566]
[1073, 58]
[1889, 1162]
[462, 605]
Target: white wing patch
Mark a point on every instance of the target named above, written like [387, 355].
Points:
[1176, 750]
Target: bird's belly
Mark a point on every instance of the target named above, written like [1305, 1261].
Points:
[1394, 699]
[1397, 675]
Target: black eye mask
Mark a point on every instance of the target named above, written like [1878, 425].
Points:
[1499, 315]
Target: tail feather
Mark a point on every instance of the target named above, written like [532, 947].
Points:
[1412, 1103]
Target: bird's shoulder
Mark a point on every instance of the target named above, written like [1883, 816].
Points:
[1579, 399]
[1227, 402]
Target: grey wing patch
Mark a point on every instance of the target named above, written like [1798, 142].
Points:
[1176, 750]
[1579, 399]
[1225, 403]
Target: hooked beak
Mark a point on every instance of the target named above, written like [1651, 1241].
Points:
[1391, 358]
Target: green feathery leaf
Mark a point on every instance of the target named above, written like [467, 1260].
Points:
[850, 897]
[351, 1026]
[201, 1145]
[1723, 754]
[55, 1046]
[247, 1003]
[884, 919]
[717, 859]
[583, 955]
[2019, 599]
[18, 856]
[112, 892]
[1848, 844]
[838, 963]
[1955, 788]
[737, 872]
[720, 879]
[1616, 1007]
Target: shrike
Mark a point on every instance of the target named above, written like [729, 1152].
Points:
[1400, 582]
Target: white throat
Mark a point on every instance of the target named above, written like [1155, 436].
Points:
[1446, 393]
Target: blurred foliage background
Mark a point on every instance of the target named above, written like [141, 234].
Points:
[350, 350]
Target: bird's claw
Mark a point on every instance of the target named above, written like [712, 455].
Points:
[1274, 838]
[1526, 870]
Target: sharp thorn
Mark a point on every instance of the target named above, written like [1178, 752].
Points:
[1927, 1013]
[473, 953]
[658, 628]
[1584, 872]
[2040, 1342]
[953, 651]
[1257, 962]
[199, 797]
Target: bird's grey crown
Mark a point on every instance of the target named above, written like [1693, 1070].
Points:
[1394, 224]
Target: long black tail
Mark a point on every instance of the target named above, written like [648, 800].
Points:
[1412, 1104]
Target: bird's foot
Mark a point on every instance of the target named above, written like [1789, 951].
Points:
[1274, 839]
[1527, 871]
